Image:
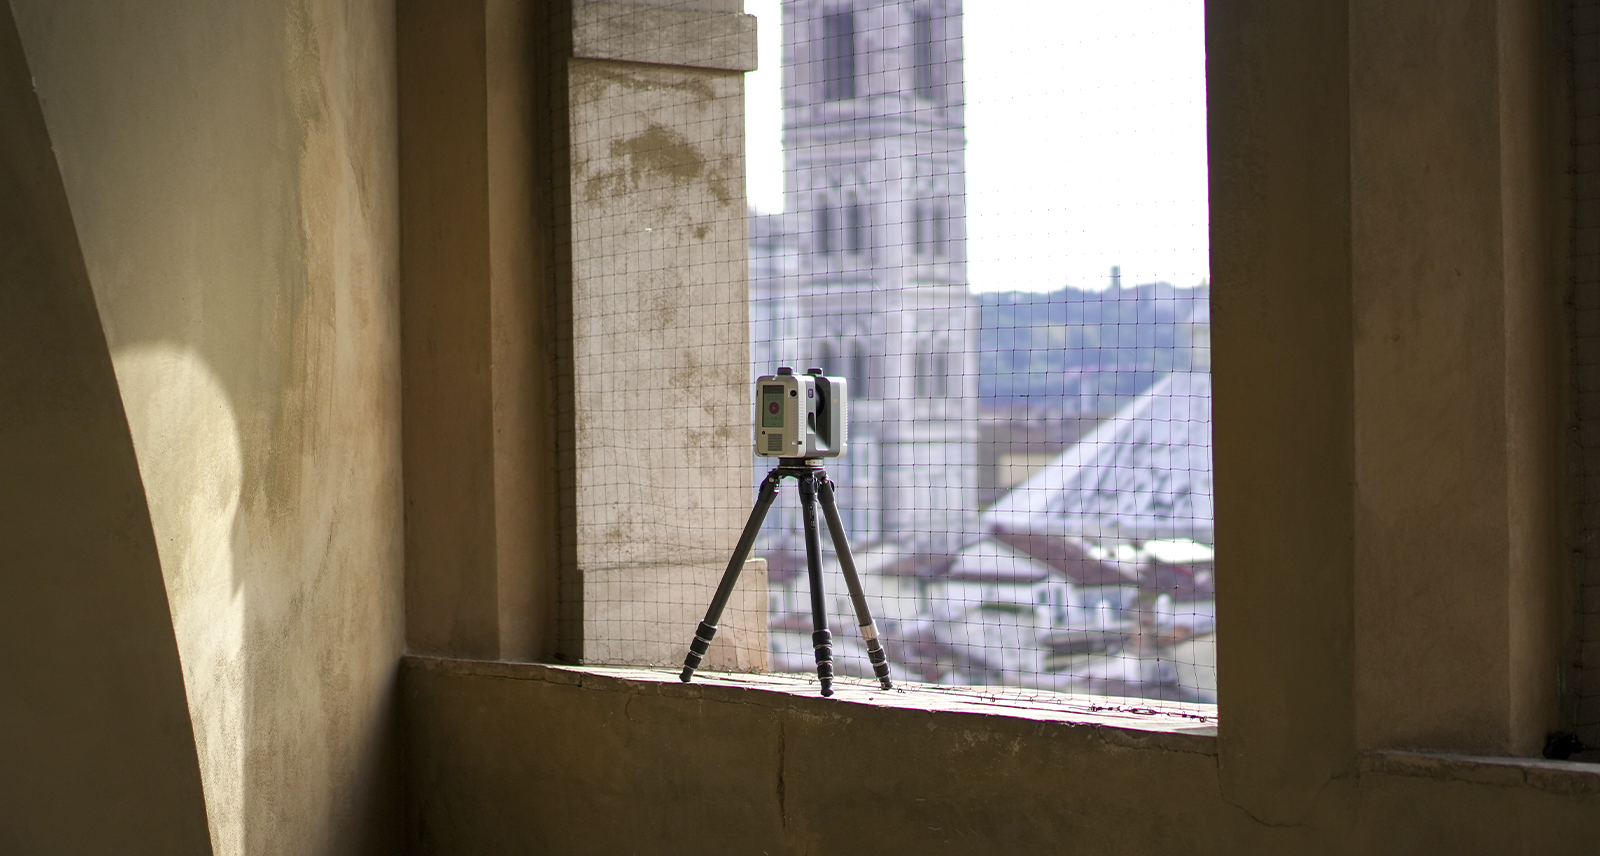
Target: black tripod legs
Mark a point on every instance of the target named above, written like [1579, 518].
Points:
[858, 598]
[708, 627]
[814, 485]
[821, 639]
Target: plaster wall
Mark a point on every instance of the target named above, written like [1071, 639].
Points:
[1282, 392]
[1458, 164]
[230, 170]
[1583, 701]
[477, 239]
[95, 738]
[665, 767]
[654, 767]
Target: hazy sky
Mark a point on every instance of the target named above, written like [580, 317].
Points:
[1086, 140]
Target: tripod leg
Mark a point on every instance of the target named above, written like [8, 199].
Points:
[730, 577]
[821, 639]
[858, 598]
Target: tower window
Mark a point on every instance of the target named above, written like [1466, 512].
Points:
[839, 56]
[922, 53]
[857, 371]
[855, 228]
[938, 229]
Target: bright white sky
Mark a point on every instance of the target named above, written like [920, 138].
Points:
[1086, 140]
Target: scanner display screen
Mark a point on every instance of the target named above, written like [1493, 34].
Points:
[771, 406]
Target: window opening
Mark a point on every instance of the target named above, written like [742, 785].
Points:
[922, 64]
[839, 55]
[1028, 481]
[855, 227]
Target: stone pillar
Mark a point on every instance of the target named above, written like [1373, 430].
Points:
[575, 320]
[656, 446]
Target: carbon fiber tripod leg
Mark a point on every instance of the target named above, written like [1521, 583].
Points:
[858, 598]
[821, 639]
[730, 577]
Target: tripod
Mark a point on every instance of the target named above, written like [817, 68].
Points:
[814, 483]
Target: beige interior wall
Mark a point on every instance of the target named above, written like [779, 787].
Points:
[95, 739]
[1582, 696]
[669, 768]
[1279, 138]
[646, 767]
[1458, 182]
[479, 237]
[230, 169]
[451, 376]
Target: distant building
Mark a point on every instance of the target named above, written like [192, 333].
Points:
[865, 274]
[1053, 365]
[1143, 474]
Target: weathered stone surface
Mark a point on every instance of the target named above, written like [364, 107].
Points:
[659, 352]
[667, 35]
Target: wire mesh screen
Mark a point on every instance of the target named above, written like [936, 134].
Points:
[656, 478]
[1027, 488]
[1582, 700]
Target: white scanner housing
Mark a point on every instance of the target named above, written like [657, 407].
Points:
[801, 416]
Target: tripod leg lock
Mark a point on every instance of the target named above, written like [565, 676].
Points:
[875, 653]
[697, 650]
[822, 641]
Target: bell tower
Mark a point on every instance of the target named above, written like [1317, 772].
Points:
[875, 195]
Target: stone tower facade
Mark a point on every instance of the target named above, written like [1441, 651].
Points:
[869, 281]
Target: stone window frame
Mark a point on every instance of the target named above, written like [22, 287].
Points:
[1275, 431]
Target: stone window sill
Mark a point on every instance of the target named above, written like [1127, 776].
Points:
[1574, 777]
[1171, 726]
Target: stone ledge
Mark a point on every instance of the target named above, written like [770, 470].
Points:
[1554, 776]
[626, 32]
[1169, 726]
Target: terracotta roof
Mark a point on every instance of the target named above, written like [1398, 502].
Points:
[990, 561]
[1067, 555]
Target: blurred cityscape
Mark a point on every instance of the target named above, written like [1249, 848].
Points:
[1028, 484]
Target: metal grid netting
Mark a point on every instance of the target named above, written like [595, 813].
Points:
[654, 476]
[1028, 483]
[1027, 486]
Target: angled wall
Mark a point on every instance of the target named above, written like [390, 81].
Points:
[230, 169]
[94, 732]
